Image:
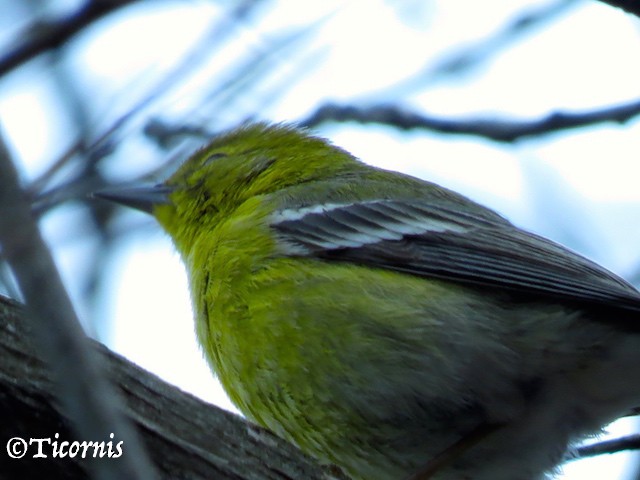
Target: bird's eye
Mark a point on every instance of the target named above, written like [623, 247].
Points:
[212, 158]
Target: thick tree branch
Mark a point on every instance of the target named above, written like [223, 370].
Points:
[186, 437]
[499, 130]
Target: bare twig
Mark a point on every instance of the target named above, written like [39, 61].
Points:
[499, 130]
[43, 36]
[85, 154]
[86, 396]
[616, 445]
[469, 56]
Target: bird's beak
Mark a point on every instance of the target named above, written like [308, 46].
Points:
[140, 198]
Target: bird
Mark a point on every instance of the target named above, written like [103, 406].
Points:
[386, 324]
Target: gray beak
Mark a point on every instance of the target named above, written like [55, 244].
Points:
[140, 198]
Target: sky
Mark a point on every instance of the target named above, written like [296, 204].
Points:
[578, 187]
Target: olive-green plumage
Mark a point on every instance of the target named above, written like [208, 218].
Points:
[378, 321]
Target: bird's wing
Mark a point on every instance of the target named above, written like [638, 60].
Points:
[435, 240]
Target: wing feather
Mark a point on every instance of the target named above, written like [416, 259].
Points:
[437, 241]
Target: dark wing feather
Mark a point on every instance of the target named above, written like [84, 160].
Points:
[435, 241]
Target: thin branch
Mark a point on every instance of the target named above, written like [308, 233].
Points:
[499, 130]
[634, 278]
[85, 154]
[616, 445]
[86, 395]
[468, 57]
[43, 36]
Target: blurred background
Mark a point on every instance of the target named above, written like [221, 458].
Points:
[530, 107]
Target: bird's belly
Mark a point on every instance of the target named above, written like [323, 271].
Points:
[380, 372]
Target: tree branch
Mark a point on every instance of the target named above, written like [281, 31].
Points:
[499, 130]
[186, 437]
[42, 36]
[86, 396]
[616, 445]
[629, 6]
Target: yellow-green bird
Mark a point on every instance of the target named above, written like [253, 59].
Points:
[389, 325]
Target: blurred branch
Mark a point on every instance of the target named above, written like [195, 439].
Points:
[249, 73]
[634, 278]
[83, 390]
[165, 135]
[45, 35]
[211, 43]
[85, 154]
[629, 6]
[499, 130]
[469, 57]
[272, 54]
[616, 445]
[187, 438]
